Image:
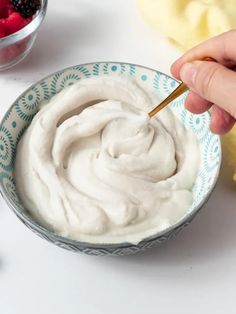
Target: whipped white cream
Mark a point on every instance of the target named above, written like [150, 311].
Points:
[107, 173]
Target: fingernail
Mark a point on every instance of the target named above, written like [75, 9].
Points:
[188, 73]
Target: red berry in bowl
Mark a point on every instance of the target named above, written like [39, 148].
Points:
[14, 23]
[6, 8]
[2, 30]
[4, 4]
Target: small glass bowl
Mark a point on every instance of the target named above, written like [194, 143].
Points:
[15, 47]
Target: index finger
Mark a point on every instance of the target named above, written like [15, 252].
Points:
[222, 48]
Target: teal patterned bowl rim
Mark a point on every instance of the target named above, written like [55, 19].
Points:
[26, 218]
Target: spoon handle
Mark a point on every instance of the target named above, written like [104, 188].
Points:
[182, 88]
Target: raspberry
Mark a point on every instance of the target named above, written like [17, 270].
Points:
[10, 20]
[4, 3]
[13, 23]
[27, 8]
[10, 9]
[6, 8]
[2, 31]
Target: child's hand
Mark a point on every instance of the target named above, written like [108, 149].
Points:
[212, 85]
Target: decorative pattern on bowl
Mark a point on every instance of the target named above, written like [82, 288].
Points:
[19, 116]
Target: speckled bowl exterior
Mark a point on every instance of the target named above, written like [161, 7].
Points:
[20, 114]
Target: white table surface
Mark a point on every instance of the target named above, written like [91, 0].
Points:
[194, 273]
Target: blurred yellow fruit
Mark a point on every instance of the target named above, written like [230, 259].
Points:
[187, 23]
[229, 145]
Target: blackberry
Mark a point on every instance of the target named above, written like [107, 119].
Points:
[26, 8]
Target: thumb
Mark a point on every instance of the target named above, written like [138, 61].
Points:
[213, 82]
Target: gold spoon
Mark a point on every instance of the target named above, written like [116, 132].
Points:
[182, 88]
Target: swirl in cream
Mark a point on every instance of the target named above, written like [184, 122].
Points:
[106, 173]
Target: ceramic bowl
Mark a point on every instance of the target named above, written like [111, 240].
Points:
[14, 48]
[20, 114]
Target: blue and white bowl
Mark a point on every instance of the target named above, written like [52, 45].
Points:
[20, 114]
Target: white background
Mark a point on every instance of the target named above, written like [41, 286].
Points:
[195, 273]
